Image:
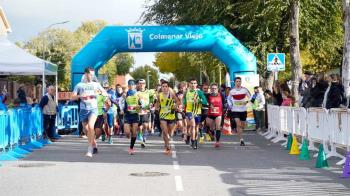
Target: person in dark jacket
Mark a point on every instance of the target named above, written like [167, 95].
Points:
[21, 94]
[334, 96]
[277, 95]
[317, 91]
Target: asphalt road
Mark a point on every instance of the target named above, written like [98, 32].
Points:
[259, 168]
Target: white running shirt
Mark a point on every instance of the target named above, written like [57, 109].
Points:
[237, 99]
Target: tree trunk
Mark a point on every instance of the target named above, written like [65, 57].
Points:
[346, 49]
[294, 48]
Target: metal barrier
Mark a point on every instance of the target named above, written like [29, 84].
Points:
[329, 127]
[20, 129]
[67, 117]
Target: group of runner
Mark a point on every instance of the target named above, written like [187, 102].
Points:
[190, 111]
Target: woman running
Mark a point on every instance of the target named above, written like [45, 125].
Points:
[166, 104]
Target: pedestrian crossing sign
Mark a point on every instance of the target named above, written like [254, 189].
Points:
[276, 62]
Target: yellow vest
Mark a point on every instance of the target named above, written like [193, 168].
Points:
[167, 110]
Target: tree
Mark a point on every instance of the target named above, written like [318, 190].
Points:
[58, 46]
[346, 50]
[141, 73]
[294, 48]
[124, 61]
[264, 26]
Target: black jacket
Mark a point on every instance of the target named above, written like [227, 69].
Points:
[335, 96]
[317, 94]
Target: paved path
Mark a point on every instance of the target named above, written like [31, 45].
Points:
[260, 168]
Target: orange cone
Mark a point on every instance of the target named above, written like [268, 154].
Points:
[226, 128]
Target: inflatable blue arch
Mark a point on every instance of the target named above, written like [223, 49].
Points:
[115, 39]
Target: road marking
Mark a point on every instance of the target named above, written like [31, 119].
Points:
[176, 165]
[173, 154]
[178, 183]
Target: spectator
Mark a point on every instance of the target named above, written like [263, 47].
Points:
[258, 101]
[22, 95]
[287, 99]
[269, 98]
[317, 91]
[276, 92]
[304, 89]
[334, 96]
[49, 107]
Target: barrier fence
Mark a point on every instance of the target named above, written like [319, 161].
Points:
[328, 127]
[20, 132]
[67, 117]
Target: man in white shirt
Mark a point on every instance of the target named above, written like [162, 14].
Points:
[237, 100]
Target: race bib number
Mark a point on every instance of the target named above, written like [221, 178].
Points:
[131, 108]
[239, 103]
[215, 110]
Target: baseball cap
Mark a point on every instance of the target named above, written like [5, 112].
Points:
[131, 82]
[142, 81]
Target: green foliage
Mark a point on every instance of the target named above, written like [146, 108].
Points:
[123, 61]
[263, 26]
[141, 73]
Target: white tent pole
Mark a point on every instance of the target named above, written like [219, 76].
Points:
[44, 84]
[56, 96]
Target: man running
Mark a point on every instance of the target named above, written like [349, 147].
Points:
[86, 91]
[237, 100]
[166, 104]
[131, 110]
[180, 114]
[193, 101]
[213, 120]
[202, 126]
[120, 95]
[145, 98]
[103, 105]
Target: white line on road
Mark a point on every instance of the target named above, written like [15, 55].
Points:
[176, 165]
[173, 154]
[178, 183]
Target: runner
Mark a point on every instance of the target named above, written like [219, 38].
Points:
[193, 101]
[180, 114]
[103, 105]
[111, 113]
[86, 91]
[237, 101]
[145, 99]
[131, 110]
[120, 95]
[215, 112]
[203, 126]
[166, 104]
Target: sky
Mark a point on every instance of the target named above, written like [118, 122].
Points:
[29, 17]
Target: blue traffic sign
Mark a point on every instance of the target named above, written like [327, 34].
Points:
[276, 62]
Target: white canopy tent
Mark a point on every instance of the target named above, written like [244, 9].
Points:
[16, 61]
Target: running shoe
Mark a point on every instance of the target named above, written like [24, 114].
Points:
[110, 141]
[167, 151]
[131, 151]
[195, 145]
[143, 145]
[217, 144]
[95, 151]
[207, 137]
[242, 143]
[89, 152]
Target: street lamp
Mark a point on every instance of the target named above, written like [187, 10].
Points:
[43, 56]
[148, 76]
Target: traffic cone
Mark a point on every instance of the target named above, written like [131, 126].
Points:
[226, 129]
[305, 155]
[321, 158]
[207, 137]
[289, 142]
[294, 150]
[346, 171]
